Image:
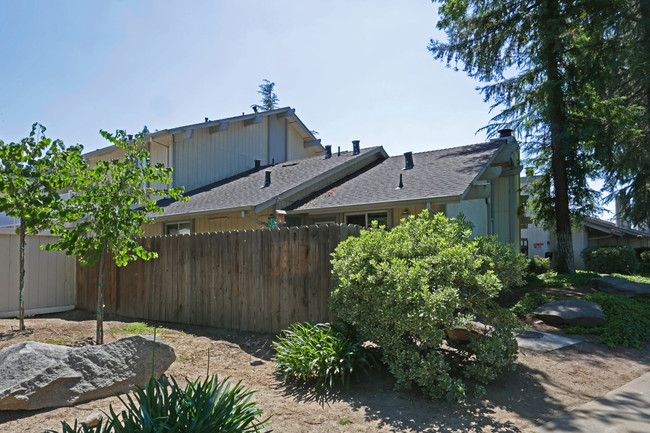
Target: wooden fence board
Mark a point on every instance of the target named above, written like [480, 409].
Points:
[261, 281]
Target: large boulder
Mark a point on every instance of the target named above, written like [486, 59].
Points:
[576, 313]
[38, 375]
[619, 286]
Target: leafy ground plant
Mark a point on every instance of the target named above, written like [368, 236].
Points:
[138, 328]
[553, 279]
[628, 321]
[204, 406]
[322, 354]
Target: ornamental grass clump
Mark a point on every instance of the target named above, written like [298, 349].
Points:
[407, 288]
[163, 406]
[320, 354]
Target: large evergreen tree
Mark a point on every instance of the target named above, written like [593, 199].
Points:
[622, 63]
[528, 53]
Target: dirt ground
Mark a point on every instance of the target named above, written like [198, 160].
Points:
[542, 387]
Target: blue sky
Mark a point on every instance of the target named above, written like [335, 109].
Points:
[352, 69]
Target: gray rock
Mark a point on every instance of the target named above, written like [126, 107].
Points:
[577, 313]
[38, 375]
[620, 286]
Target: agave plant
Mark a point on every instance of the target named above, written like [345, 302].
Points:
[163, 407]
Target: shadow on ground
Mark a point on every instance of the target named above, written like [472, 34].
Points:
[519, 391]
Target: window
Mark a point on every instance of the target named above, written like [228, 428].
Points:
[183, 228]
[366, 219]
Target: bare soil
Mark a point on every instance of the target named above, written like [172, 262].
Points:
[543, 386]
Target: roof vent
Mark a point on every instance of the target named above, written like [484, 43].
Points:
[355, 147]
[339, 152]
[328, 151]
[258, 164]
[408, 160]
[267, 178]
[130, 137]
[401, 184]
[206, 119]
[505, 132]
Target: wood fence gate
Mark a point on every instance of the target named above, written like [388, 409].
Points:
[254, 280]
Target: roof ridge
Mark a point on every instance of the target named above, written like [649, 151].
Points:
[451, 148]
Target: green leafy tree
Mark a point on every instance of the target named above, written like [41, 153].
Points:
[110, 204]
[269, 99]
[30, 177]
[532, 56]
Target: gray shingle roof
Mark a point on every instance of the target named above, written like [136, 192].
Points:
[436, 174]
[245, 189]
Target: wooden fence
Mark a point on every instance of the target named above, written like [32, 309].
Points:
[49, 276]
[254, 280]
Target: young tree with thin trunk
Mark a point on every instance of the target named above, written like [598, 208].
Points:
[111, 202]
[30, 180]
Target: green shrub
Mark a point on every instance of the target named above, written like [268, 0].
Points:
[628, 321]
[403, 288]
[162, 406]
[504, 260]
[529, 303]
[608, 260]
[320, 354]
[645, 257]
[539, 265]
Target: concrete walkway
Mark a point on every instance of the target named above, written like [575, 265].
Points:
[623, 410]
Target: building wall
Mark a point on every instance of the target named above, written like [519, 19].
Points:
[539, 240]
[475, 211]
[505, 201]
[295, 146]
[116, 153]
[205, 158]
[49, 276]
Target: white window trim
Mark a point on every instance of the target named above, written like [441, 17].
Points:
[177, 223]
[387, 212]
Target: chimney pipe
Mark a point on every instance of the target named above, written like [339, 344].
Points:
[267, 178]
[130, 137]
[355, 147]
[505, 132]
[258, 163]
[328, 151]
[339, 153]
[408, 160]
[401, 184]
[206, 119]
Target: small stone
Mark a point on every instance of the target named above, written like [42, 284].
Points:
[575, 313]
[93, 419]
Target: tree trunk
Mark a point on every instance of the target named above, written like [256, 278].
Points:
[100, 298]
[21, 302]
[559, 136]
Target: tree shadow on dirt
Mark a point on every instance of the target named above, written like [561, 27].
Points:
[519, 392]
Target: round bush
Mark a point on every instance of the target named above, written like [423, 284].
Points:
[404, 288]
[609, 260]
[320, 354]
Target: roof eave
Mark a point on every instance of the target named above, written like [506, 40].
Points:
[378, 205]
